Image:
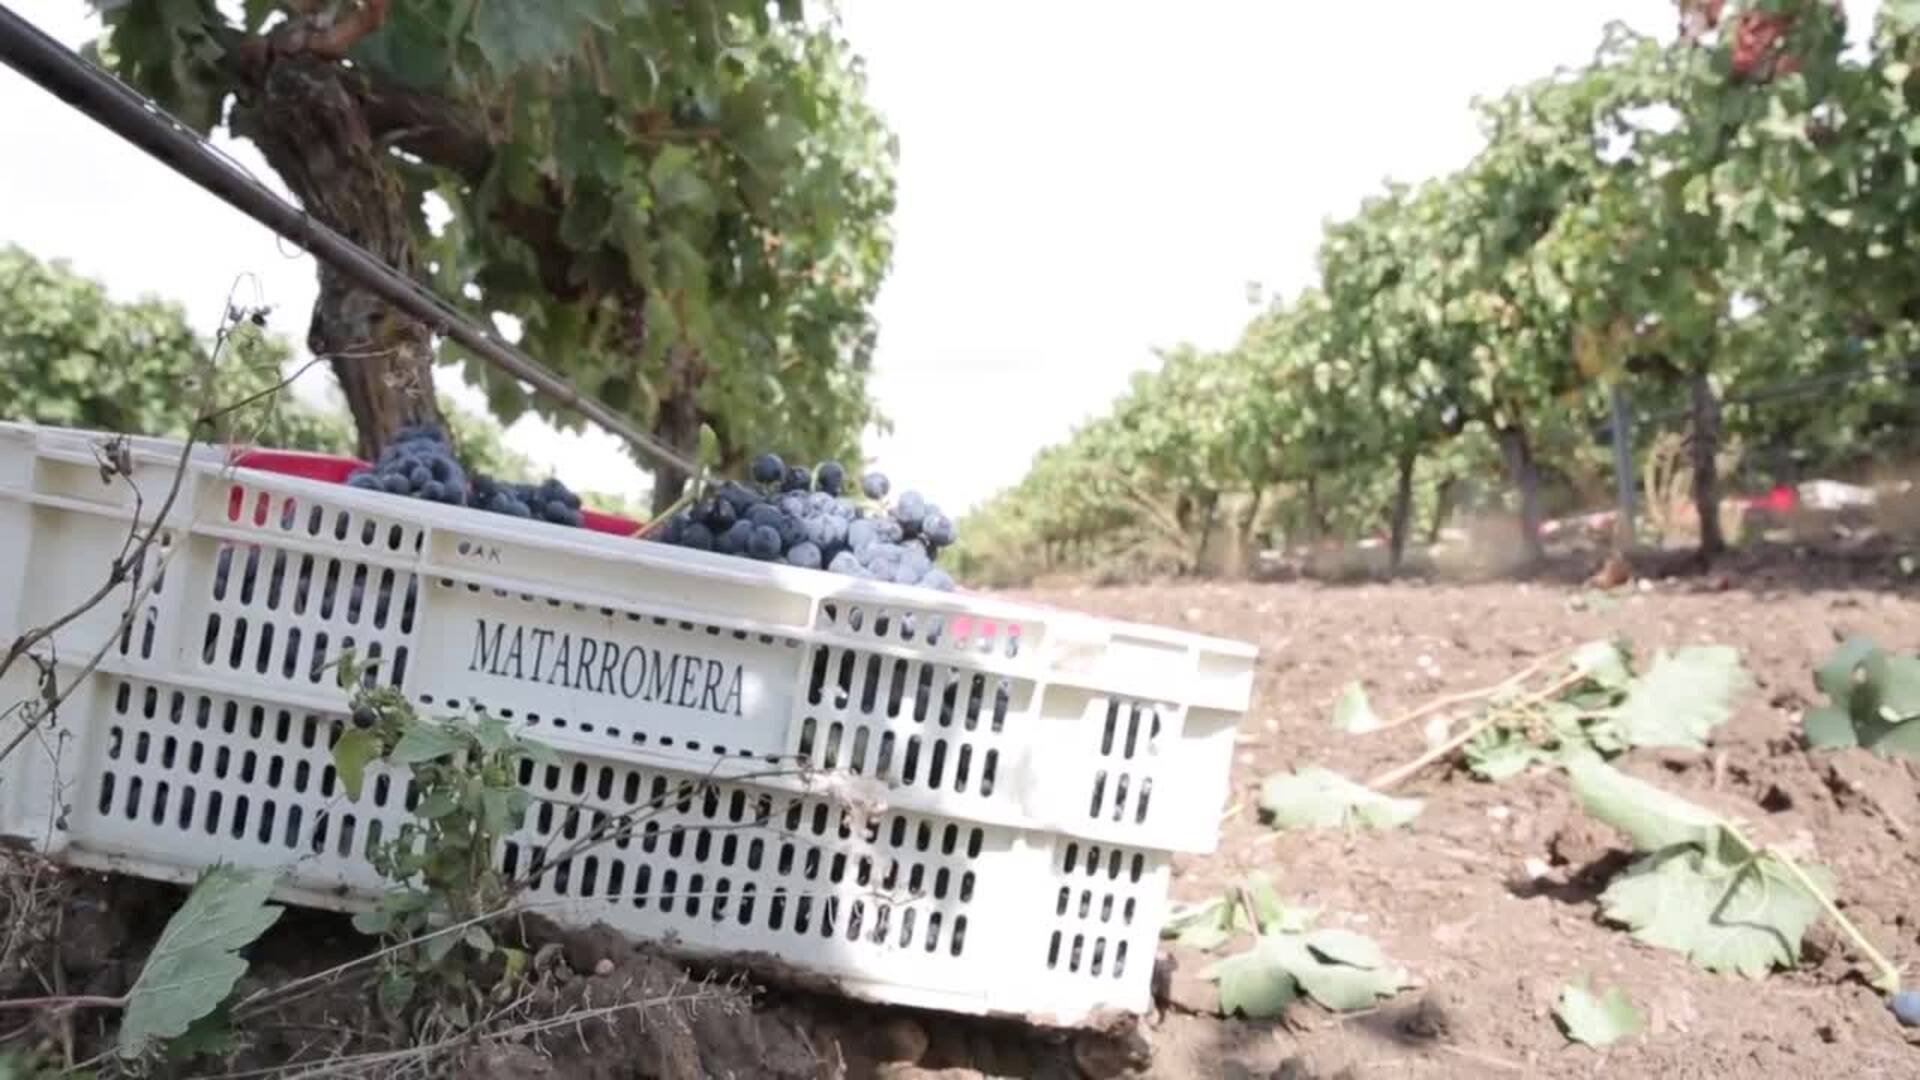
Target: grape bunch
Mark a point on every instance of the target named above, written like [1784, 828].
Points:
[548, 500]
[810, 519]
[420, 462]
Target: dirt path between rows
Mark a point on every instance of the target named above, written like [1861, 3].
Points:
[1451, 896]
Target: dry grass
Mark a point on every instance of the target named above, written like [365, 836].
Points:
[1666, 482]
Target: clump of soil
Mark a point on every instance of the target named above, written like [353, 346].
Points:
[597, 1007]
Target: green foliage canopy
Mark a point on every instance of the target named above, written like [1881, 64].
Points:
[73, 356]
[1678, 217]
[684, 206]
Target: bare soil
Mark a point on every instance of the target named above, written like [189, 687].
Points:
[1455, 897]
[1452, 897]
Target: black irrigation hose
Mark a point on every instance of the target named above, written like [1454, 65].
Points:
[112, 104]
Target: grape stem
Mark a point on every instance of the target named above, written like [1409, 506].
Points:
[1493, 716]
[1889, 977]
[661, 518]
[1465, 696]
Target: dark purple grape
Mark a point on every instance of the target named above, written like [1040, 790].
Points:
[915, 556]
[793, 530]
[804, 555]
[764, 543]
[552, 490]
[364, 716]
[769, 469]
[875, 485]
[734, 540]
[740, 498]
[938, 529]
[830, 531]
[830, 478]
[910, 511]
[798, 479]
[697, 537]
[847, 563]
[861, 534]
[365, 481]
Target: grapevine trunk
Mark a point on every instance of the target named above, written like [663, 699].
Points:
[1402, 509]
[314, 130]
[1526, 479]
[1706, 479]
[1442, 507]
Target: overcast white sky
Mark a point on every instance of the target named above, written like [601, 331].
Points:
[1080, 183]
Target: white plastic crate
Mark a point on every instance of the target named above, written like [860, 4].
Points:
[1035, 768]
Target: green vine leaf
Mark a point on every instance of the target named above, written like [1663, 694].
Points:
[1501, 753]
[424, 741]
[196, 960]
[1314, 797]
[1652, 817]
[397, 988]
[1698, 889]
[1682, 698]
[1205, 926]
[1353, 714]
[1606, 663]
[1597, 1019]
[1746, 917]
[353, 751]
[1875, 701]
[1340, 969]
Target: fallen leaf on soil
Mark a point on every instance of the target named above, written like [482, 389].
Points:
[1683, 697]
[1698, 890]
[1604, 662]
[1338, 968]
[1745, 917]
[1205, 926]
[196, 961]
[1875, 701]
[1353, 714]
[1314, 797]
[1597, 1019]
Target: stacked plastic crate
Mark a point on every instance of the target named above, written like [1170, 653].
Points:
[934, 799]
